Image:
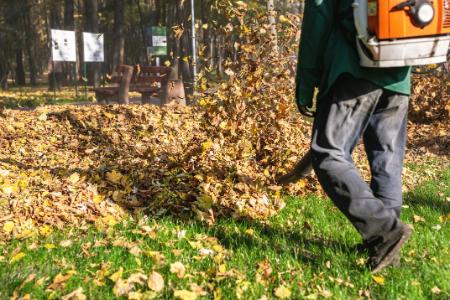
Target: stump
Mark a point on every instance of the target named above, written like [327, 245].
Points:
[174, 93]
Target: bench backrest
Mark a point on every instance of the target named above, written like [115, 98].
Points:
[150, 74]
[118, 74]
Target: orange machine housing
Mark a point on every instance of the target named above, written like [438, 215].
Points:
[387, 23]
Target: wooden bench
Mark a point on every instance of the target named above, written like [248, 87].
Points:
[120, 86]
[151, 81]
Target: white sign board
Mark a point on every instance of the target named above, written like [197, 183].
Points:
[159, 41]
[93, 44]
[64, 47]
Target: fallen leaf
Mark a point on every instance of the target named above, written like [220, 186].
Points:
[378, 279]
[418, 219]
[8, 227]
[124, 286]
[66, 243]
[117, 275]
[74, 178]
[19, 256]
[155, 282]
[185, 295]
[75, 295]
[282, 292]
[178, 269]
[435, 290]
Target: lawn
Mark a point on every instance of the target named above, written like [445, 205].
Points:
[32, 97]
[307, 251]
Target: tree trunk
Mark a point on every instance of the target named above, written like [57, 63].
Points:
[69, 9]
[20, 71]
[69, 24]
[29, 41]
[4, 73]
[119, 33]
[55, 76]
[141, 24]
[91, 7]
[185, 47]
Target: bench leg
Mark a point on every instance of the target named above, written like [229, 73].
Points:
[145, 98]
[100, 98]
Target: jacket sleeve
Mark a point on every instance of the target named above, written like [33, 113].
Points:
[317, 22]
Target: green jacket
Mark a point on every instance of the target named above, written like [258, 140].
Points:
[328, 49]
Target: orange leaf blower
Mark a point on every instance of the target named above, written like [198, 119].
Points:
[396, 33]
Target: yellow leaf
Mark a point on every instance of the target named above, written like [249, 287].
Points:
[50, 246]
[114, 176]
[117, 275]
[8, 227]
[283, 19]
[98, 199]
[17, 257]
[207, 145]
[222, 268]
[109, 115]
[155, 282]
[45, 230]
[74, 178]
[185, 295]
[9, 189]
[378, 279]
[301, 183]
[282, 292]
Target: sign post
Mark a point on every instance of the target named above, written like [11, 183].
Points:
[156, 38]
[64, 49]
[93, 51]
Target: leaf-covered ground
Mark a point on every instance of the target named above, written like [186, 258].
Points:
[308, 251]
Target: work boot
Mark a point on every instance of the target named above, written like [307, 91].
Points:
[363, 249]
[387, 253]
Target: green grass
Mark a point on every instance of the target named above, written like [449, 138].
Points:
[32, 97]
[309, 247]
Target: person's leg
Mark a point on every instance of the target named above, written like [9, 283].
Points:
[340, 121]
[385, 141]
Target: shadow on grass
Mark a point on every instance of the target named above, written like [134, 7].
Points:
[301, 246]
[421, 199]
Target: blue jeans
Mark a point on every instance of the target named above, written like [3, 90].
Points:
[357, 108]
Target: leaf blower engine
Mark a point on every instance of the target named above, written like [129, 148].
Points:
[396, 33]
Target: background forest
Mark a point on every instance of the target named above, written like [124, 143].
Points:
[25, 34]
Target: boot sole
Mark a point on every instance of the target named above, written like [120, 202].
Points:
[394, 252]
